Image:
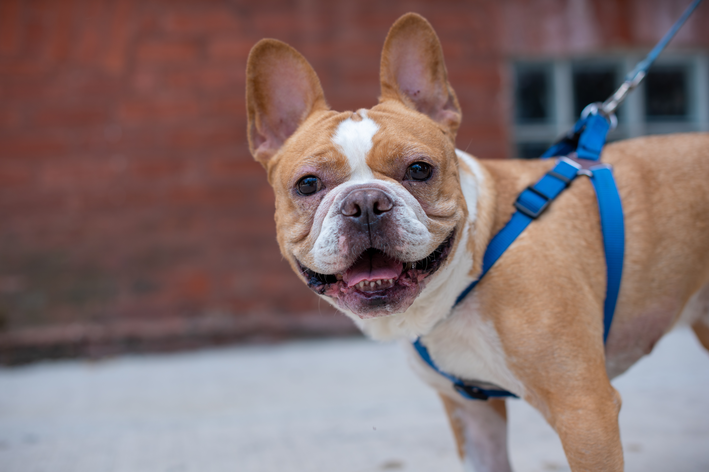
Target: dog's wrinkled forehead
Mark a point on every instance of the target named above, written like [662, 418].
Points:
[369, 144]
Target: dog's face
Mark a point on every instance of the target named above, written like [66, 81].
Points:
[368, 203]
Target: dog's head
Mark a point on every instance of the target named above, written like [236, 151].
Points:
[368, 203]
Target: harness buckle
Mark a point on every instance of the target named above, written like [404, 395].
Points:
[531, 212]
[471, 391]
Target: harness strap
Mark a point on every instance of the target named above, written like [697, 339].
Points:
[593, 137]
[613, 229]
[568, 143]
[530, 204]
[467, 390]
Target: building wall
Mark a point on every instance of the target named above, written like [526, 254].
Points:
[131, 212]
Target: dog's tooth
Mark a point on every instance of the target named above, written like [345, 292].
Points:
[371, 284]
[379, 282]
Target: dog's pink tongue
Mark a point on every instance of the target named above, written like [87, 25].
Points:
[373, 266]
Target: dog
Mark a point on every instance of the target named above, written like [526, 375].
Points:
[380, 215]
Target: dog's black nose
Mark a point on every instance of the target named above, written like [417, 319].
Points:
[366, 206]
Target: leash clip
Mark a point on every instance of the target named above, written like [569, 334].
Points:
[599, 108]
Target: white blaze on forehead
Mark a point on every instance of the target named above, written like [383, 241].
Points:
[355, 141]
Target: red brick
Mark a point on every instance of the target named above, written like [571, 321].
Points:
[10, 27]
[202, 137]
[34, 35]
[147, 111]
[168, 51]
[146, 81]
[14, 175]
[70, 116]
[208, 78]
[33, 146]
[60, 34]
[119, 33]
[231, 107]
[24, 68]
[210, 195]
[89, 35]
[9, 118]
[279, 21]
[131, 199]
[201, 22]
[76, 174]
[153, 169]
[194, 285]
[236, 168]
[233, 48]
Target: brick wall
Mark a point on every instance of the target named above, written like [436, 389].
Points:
[131, 213]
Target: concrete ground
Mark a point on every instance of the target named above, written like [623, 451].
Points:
[339, 405]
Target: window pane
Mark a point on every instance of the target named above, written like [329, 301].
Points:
[592, 85]
[531, 150]
[666, 94]
[532, 95]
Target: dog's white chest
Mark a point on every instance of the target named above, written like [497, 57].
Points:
[466, 346]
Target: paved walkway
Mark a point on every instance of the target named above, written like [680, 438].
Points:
[341, 405]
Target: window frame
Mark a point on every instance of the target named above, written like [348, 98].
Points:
[632, 120]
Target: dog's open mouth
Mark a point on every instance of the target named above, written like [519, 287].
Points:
[377, 284]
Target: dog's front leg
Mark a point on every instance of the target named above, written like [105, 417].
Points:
[480, 429]
[587, 424]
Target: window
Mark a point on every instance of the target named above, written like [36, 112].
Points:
[667, 94]
[533, 95]
[550, 96]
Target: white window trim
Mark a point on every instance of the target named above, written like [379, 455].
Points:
[633, 122]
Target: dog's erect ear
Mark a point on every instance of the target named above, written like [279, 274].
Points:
[413, 71]
[282, 90]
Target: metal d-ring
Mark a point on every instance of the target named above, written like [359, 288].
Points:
[597, 109]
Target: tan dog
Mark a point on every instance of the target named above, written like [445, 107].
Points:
[382, 217]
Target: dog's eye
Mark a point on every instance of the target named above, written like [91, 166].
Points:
[309, 185]
[419, 171]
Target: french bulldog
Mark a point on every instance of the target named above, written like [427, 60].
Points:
[381, 216]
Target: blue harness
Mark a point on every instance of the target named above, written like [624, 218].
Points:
[581, 149]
